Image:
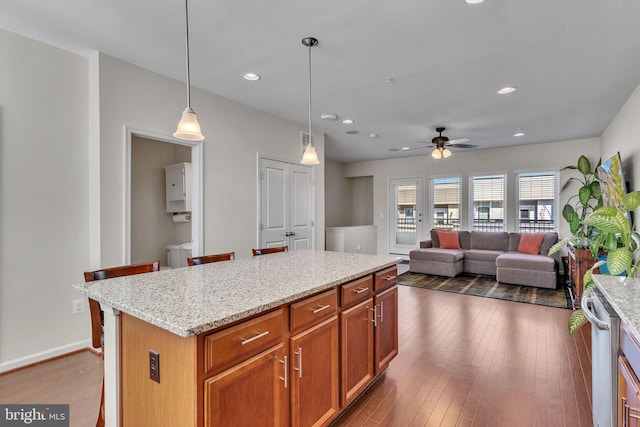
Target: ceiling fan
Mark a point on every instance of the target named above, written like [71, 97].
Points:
[441, 143]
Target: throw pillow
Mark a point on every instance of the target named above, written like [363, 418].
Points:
[530, 243]
[449, 240]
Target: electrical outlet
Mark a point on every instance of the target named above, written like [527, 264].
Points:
[78, 306]
[154, 366]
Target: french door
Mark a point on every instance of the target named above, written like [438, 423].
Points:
[286, 205]
[405, 214]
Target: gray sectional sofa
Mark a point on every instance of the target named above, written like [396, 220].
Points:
[491, 253]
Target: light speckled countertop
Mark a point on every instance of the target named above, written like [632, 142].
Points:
[190, 300]
[623, 294]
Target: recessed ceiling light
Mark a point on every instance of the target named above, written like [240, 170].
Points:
[252, 77]
[373, 135]
[389, 79]
[506, 90]
[352, 132]
[347, 121]
[519, 134]
[329, 116]
[473, 1]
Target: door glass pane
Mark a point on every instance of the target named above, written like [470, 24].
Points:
[406, 214]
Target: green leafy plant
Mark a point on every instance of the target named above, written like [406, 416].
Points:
[580, 205]
[620, 242]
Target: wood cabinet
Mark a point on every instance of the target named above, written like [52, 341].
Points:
[579, 261]
[628, 395]
[253, 390]
[386, 328]
[314, 375]
[357, 370]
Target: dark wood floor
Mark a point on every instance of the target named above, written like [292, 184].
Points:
[464, 361]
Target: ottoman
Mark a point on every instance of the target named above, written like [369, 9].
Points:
[436, 261]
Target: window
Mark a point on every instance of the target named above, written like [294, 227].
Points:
[537, 193]
[487, 195]
[446, 203]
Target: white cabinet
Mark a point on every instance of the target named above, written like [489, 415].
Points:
[178, 187]
[357, 238]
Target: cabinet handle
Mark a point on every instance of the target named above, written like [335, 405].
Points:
[624, 411]
[381, 316]
[299, 368]
[286, 372]
[319, 309]
[389, 278]
[260, 335]
[375, 316]
[360, 290]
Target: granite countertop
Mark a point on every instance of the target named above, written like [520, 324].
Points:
[191, 300]
[623, 293]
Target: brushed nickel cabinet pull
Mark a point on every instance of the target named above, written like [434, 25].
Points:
[389, 278]
[381, 311]
[375, 316]
[319, 309]
[299, 368]
[286, 372]
[360, 290]
[260, 335]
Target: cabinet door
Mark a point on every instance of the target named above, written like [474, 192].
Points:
[314, 375]
[386, 328]
[251, 392]
[356, 325]
[628, 395]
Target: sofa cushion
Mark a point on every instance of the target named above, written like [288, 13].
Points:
[437, 255]
[548, 240]
[464, 237]
[530, 243]
[449, 240]
[525, 262]
[492, 241]
[481, 255]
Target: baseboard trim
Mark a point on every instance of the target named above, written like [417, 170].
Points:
[42, 356]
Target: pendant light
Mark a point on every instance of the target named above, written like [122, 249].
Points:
[188, 127]
[310, 157]
[440, 152]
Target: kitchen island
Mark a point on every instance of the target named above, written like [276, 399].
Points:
[230, 336]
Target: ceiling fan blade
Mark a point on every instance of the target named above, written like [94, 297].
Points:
[415, 148]
[462, 145]
[459, 140]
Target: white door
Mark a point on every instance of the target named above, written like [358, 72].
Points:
[405, 214]
[286, 205]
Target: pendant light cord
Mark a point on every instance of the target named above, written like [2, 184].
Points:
[310, 137]
[186, 18]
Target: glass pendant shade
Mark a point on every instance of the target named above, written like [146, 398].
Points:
[436, 154]
[310, 157]
[188, 127]
[446, 153]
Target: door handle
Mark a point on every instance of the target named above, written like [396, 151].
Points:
[591, 317]
[292, 233]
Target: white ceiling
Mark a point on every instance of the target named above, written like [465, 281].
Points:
[574, 62]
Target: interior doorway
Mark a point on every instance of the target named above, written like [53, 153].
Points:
[151, 225]
[405, 214]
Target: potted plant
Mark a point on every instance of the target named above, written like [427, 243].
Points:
[617, 237]
[580, 205]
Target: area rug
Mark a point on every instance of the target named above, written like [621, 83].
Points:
[488, 287]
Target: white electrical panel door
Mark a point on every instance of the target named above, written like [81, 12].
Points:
[178, 187]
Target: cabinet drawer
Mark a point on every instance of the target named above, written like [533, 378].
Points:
[356, 291]
[242, 341]
[314, 309]
[385, 278]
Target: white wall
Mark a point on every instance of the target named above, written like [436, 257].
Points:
[535, 157]
[62, 180]
[362, 200]
[339, 191]
[623, 135]
[44, 199]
